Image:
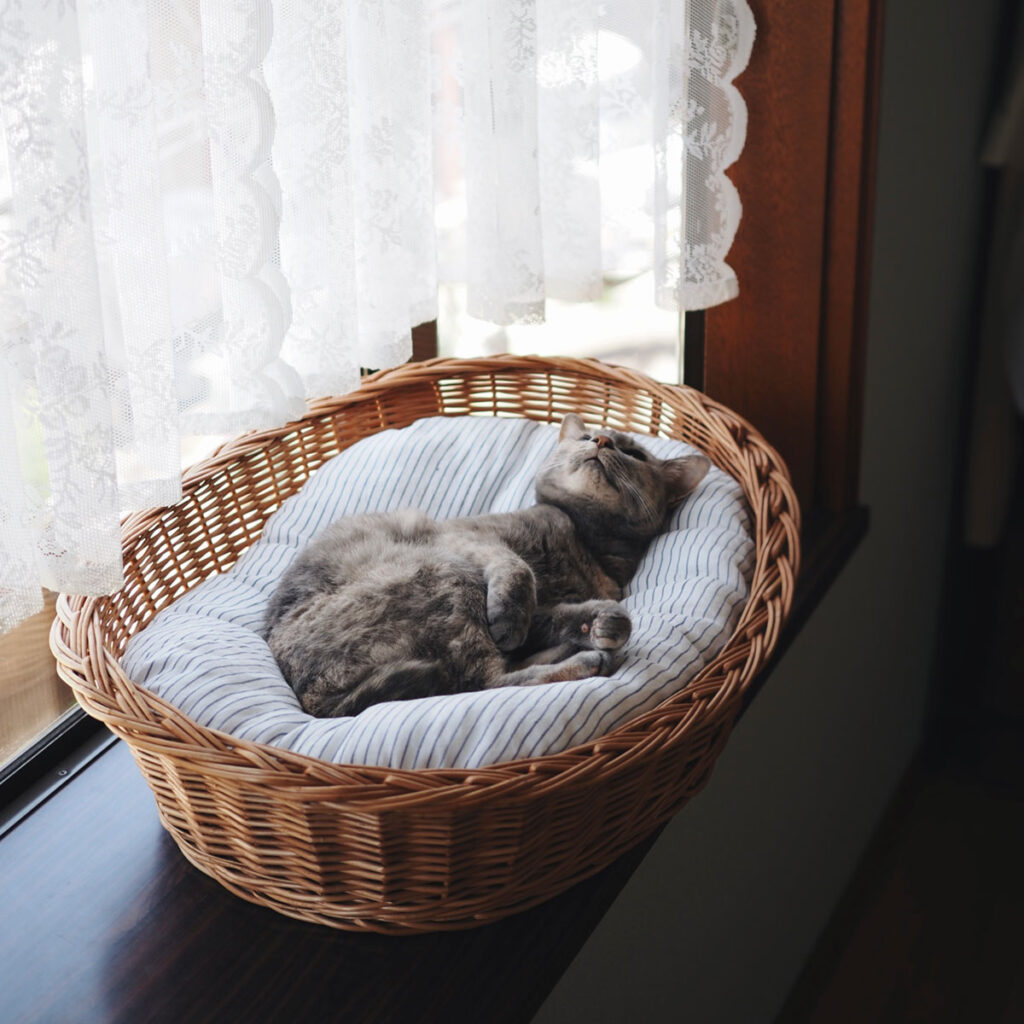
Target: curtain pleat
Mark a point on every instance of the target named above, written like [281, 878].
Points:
[569, 141]
[131, 251]
[505, 265]
[55, 361]
[314, 168]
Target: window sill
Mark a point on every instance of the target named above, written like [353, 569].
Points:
[106, 920]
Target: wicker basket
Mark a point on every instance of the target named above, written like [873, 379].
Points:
[410, 851]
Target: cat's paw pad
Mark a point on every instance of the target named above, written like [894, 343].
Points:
[608, 629]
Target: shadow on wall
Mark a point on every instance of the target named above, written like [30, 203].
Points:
[717, 922]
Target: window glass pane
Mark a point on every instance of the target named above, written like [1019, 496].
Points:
[32, 697]
[624, 327]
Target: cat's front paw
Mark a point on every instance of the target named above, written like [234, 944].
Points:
[596, 663]
[508, 626]
[608, 628]
[511, 602]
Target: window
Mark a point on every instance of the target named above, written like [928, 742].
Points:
[624, 327]
[787, 355]
[801, 256]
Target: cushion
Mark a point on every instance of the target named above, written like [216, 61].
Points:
[204, 653]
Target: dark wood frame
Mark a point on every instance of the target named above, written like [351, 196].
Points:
[789, 353]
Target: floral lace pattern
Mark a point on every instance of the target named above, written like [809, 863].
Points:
[52, 336]
[221, 208]
[700, 128]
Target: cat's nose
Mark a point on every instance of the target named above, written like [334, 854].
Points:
[602, 441]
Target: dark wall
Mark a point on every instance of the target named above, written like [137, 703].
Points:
[719, 919]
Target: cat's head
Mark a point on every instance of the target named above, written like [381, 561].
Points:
[610, 476]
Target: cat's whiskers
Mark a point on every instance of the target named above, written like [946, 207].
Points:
[647, 507]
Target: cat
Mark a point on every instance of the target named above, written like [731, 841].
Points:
[397, 606]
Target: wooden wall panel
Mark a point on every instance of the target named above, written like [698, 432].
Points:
[761, 349]
[788, 353]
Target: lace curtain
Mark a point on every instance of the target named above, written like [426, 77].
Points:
[221, 208]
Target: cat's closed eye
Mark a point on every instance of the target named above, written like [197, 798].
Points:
[634, 453]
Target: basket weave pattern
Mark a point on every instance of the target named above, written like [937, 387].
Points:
[408, 851]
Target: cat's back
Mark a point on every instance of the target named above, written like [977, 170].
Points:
[375, 597]
[375, 549]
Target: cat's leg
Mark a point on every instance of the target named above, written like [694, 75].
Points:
[547, 656]
[594, 625]
[509, 582]
[511, 598]
[403, 680]
[580, 665]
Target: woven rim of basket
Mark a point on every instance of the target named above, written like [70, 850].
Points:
[86, 648]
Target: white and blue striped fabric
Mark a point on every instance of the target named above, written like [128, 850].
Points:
[204, 654]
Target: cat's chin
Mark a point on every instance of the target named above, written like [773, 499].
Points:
[608, 468]
[595, 476]
[578, 474]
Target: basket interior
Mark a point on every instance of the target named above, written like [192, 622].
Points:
[228, 498]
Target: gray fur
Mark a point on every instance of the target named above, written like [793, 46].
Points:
[393, 607]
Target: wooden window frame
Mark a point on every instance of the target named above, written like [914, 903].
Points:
[788, 354]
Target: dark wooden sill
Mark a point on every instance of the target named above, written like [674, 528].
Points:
[104, 920]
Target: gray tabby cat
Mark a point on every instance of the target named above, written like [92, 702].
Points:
[397, 606]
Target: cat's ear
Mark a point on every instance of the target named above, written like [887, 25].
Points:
[683, 475]
[573, 428]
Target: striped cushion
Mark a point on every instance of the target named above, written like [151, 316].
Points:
[204, 653]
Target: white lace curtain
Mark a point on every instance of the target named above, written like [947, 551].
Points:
[220, 208]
